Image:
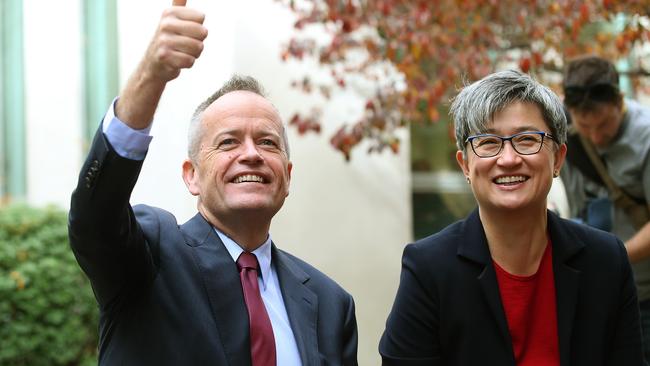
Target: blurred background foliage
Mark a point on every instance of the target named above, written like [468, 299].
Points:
[48, 315]
[417, 53]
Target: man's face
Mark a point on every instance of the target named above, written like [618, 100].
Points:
[242, 165]
[599, 125]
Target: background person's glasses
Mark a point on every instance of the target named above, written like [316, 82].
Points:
[524, 143]
[574, 96]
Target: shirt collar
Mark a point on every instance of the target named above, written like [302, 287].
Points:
[263, 254]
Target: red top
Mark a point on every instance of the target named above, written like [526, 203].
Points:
[529, 303]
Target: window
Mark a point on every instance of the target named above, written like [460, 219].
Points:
[100, 60]
[440, 193]
[12, 102]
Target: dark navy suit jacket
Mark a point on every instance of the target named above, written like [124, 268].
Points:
[171, 295]
[448, 308]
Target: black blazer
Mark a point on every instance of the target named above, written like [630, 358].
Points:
[171, 295]
[448, 309]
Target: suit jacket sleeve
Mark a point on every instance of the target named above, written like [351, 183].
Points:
[350, 337]
[626, 338]
[411, 334]
[104, 234]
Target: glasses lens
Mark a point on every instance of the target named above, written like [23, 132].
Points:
[485, 146]
[527, 143]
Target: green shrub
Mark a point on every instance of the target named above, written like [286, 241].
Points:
[48, 315]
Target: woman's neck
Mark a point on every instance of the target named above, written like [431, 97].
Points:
[516, 240]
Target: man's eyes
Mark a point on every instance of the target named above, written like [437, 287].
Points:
[227, 142]
[230, 142]
[268, 142]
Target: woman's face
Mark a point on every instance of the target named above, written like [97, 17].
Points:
[509, 180]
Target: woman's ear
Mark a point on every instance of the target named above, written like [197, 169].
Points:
[462, 163]
[560, 156]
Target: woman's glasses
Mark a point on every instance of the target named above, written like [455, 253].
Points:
[524, 143]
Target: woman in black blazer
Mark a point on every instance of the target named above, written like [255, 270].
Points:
[513, 284]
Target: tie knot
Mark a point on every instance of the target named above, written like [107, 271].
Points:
[247, 260]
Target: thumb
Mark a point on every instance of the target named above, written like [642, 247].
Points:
[179, 2]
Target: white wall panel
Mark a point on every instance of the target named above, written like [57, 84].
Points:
[52, 100]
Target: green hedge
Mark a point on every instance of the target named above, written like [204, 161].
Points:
[48, 315]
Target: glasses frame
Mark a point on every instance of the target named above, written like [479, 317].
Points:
[509, 138]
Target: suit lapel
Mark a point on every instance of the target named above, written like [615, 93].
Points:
[567, 281]
[222, 285]
[474, 247]
[301, 304]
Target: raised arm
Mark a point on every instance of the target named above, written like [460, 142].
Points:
[177, 43]
[104, 234]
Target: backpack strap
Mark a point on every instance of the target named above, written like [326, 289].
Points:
[637, 212]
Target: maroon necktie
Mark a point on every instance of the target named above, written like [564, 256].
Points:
[261, 331]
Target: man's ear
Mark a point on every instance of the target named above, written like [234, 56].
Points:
[289, 167]
[191, 177]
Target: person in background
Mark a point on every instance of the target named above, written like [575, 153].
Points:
[612, 131]
[214, 290]
[513, 284]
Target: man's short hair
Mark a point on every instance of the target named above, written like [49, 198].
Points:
[235, 83]
[590, 81]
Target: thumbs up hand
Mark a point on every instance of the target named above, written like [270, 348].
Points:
[177, 43]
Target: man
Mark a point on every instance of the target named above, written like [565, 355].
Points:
[215, 290]
[617, 131]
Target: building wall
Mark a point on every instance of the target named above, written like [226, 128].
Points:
[52, 57]
[351, 220]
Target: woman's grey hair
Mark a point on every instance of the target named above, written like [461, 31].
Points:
[236, 83]
[476, 104]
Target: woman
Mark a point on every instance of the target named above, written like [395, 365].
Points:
[513, 284]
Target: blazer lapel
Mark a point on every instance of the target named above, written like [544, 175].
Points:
[222, 285]
[474, 247]
[567, 281]
[301, 304]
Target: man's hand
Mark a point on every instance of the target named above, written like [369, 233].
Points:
[176, 45]
[638, 246]
[178, 42]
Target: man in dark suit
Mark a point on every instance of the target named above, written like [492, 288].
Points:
[214, 290]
